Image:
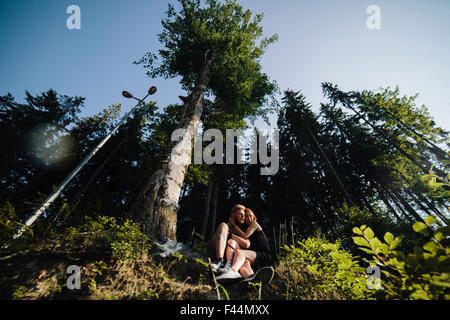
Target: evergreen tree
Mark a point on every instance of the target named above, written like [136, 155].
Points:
[214, 49]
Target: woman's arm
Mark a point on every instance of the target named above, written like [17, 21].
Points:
[236, 230]
[251, 228]
[243, 243]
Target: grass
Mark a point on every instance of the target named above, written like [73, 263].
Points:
[41, 273]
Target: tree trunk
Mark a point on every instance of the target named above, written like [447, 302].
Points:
[407, 206]
[386, 201]
[214, 206]
[157, 203]
[206, 208]
[426, 210]
[322, 152]
[425, 170]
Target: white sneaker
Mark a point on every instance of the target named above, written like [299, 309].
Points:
[218, 264]
[225, 268]
[230, 274]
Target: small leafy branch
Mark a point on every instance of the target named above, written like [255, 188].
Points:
[436, 181]
[422, 274]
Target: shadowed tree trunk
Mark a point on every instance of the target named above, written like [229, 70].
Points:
[156, 205]
[214, 205]
[206, 208]
[322, 152]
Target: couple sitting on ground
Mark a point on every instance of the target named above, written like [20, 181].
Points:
[244, 251]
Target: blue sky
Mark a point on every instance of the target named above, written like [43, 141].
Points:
[318, 41]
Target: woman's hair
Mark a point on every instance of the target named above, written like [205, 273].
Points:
[248, 210]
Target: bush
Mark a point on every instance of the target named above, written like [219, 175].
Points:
[10, 224]
[125, 240]
[319, 269]
[422, 274]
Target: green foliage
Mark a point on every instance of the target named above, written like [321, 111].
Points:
[19, 293]
[225, 33]
[10, 224]
[99, 267]
[421, 274]
[350, 216]
[125, 240]
[440, 186]
[149, 294]
[198, 243]
[319, 269]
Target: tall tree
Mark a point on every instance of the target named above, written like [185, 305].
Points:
[214, 49]
[35, 144]
[400, 143]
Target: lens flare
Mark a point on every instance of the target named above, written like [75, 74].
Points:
[49, 144]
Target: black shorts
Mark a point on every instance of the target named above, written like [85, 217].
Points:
[263, 259]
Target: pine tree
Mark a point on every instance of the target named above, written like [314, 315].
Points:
[214, 49]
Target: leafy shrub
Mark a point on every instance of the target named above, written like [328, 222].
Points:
[319, 269]
[10, 224]
[198, 243]
[422, 274]
[351, 216]
[125, 240]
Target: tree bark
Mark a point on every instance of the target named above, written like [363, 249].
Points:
[382, 196]
[157, 203]
[206, 208]
[407, 206]
[214, 206]
[322, 152]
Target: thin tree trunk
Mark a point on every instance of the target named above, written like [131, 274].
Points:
[214, 205]
[435, 147]
[391, 196]
[206, 208]
[402, 210]
[420, 204]
[157, 203]
[347, 195]
[396, 146]
[422, 198]
[407, 206]
[386, 201]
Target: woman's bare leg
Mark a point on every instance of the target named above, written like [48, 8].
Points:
[246, 269]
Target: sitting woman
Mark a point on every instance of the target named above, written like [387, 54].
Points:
[243, 259]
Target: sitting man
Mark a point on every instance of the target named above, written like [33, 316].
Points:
[223, 236]
[254, 254]
[242, 255]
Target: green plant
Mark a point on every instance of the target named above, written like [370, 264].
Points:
[198, 243]
[19, 293]
[99, 267]
[149, 294]
[126, 240]
[319, 269]
[257, 288]
[10, 224]
[422, 274]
